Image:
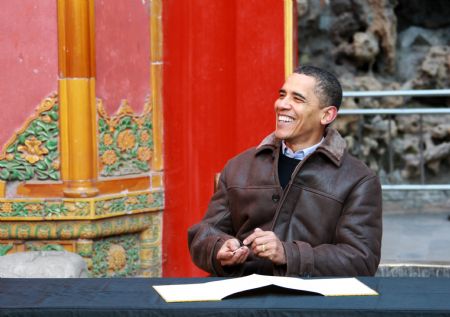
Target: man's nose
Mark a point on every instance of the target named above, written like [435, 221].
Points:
[284, 103]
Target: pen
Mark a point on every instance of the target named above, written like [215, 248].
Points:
[241, 246]
[235, 250]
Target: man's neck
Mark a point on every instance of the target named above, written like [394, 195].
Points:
[295, 147]
[302, 153]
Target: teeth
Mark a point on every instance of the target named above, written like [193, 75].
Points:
[285, 118]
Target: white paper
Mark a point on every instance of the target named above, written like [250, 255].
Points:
[217, 290]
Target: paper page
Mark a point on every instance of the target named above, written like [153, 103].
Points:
[210, 291]
[326, 287]
[235, 285]
[187, 293]
[217, 290]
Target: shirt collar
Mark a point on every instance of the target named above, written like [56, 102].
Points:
[300, 154]
[333, 145]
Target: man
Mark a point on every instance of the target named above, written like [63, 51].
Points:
[298, 204]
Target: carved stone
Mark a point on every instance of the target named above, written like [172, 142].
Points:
[42, 264]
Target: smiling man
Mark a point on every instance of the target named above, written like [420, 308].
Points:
[298, 204]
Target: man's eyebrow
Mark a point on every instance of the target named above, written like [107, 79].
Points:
[282, 91]
[299, 95]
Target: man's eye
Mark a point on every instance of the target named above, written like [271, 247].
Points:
[298, 100]
[282, 96]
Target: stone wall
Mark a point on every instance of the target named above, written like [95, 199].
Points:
[387, 45]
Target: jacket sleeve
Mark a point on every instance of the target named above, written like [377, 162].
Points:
[206, 238]
[357, 246]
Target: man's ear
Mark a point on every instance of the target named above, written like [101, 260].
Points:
[328, 115]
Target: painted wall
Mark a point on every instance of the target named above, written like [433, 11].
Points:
[122, 52]
[28, 60]
[223, 66]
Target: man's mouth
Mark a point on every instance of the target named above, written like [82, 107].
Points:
[284, 118]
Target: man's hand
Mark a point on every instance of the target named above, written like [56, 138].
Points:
[231, 253]
[265, 244]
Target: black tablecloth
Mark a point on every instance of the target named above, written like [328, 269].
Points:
[136, 297]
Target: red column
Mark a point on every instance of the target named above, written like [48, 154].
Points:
[223, 66]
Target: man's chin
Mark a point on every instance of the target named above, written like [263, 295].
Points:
[280, 135]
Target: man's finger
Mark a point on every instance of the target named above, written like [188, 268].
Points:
[261, 248]
[236, 257]
[232, 244]
[262, 240]
[256, 233]
[223, 255]
[241, 254]
[227, 250]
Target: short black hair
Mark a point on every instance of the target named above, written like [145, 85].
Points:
[328, 88]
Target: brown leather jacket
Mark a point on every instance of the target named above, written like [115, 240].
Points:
[328, 217]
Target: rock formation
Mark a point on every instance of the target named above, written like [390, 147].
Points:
[386, 45]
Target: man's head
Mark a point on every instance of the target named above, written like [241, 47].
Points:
[307, 103]
[328, 88]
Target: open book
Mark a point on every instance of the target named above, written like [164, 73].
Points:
[218, 290]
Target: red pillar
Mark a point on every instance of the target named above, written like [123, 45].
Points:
[223, 66]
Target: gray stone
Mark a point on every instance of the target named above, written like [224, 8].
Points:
[417, 36]
[440, 131]
[365, 47]
[42, 264]
[413, 270]
[434, 70]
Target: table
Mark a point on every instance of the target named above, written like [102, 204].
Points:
[136, 297]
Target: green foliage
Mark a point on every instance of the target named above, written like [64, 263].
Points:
[118, 205]
[5, 248]
[122, 204]
[16, 167]
[126, 161]
[55, 210]
[47, 247]
[33, 209]
[100, 265]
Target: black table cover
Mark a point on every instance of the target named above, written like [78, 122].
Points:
[136, 297]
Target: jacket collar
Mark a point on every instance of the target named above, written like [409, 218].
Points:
[333, 146]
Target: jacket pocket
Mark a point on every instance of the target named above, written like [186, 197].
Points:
[309, 215]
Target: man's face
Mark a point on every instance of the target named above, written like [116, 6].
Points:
[299, 115]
